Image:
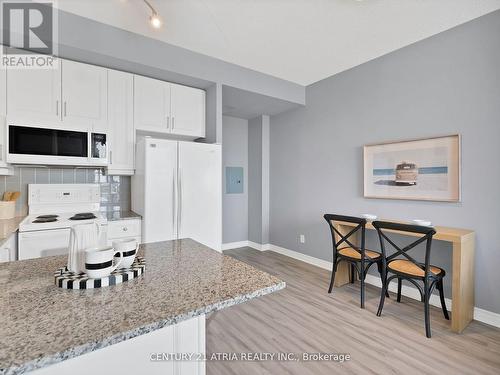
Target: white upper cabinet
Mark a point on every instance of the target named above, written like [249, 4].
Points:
[34, 94]
[187, 111]
[121, 122]
[168, 108]
[84, 95]
[151, 104]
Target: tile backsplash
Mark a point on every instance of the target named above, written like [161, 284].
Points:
[115, 190]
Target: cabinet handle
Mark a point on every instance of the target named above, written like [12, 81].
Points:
[111, 157]
[168, 122]
[57, 108]
[125, 229]
[173, 122]
[1, 152]
[64, 109]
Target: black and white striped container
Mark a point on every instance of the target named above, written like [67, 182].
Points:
[69, 280]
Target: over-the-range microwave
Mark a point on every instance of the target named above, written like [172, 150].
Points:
[55, 146]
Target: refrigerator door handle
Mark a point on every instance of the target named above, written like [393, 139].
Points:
[179, 203]
[173, 204]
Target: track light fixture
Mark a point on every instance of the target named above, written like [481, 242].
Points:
[155, 19]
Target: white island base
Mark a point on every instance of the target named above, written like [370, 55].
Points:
[145, 354]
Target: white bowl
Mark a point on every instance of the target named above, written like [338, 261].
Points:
[424, 223]
[369, 216]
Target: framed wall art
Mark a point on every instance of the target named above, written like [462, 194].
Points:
[422, 169]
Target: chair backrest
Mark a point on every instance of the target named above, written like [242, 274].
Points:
[384, 228]
[344, 239]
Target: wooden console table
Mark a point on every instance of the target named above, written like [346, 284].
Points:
[463, 242]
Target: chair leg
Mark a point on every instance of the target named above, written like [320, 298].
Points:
[332, 279]
[362, 282]
[426, 310]
[441, 297]
[382, 297]
[380, 271]
[399, 289]
[352, 274]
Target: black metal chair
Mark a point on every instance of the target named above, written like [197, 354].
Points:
[359, 258]
[409, 269]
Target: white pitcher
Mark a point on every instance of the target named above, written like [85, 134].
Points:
[82, 236]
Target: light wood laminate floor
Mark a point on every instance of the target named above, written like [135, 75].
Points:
[305, 318]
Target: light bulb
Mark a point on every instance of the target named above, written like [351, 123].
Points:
[155, 21]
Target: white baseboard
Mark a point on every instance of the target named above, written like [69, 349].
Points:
[303, 257]
[487, 317]
[253, 245]
[480, 315]
[258, 246]
[234, 245]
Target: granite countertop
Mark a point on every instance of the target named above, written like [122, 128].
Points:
[9, 226]
[121, 215]
[41, 324]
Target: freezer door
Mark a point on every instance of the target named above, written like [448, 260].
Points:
[160, 191]
[200, 193]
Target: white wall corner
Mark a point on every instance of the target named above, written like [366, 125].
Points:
[266, 144]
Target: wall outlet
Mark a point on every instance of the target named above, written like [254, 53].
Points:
[302, 238]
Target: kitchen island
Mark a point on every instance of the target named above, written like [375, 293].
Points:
[122, 326]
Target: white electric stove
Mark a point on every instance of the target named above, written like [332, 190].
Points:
[52, 210]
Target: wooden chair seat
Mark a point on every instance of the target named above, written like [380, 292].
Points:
[353, 254]
[410, 268]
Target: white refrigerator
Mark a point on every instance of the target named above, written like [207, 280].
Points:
[177, 189]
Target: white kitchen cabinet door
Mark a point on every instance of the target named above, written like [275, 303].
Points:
[124, 228]
[200, 193]
[143, 354]
[34, 95]
[84, 95]
[151, 104]
[121, 123]
[187, 111]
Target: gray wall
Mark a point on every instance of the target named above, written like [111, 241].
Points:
[115, 190]
[446, 84]
[235, 154]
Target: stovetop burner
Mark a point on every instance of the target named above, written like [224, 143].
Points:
[47, 216]
[45, 219]
[83, 216]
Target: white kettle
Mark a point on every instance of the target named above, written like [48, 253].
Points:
[82, 236]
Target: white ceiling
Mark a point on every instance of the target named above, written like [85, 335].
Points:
[302, 41]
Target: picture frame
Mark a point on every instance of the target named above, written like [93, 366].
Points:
[427, 169]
